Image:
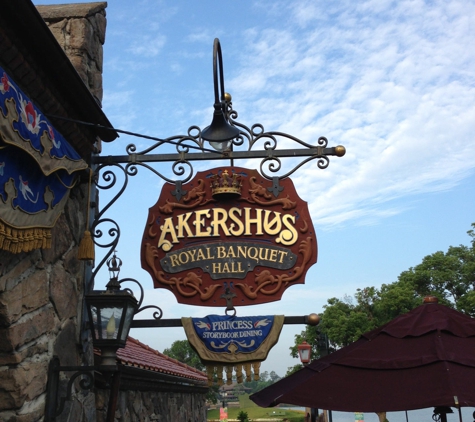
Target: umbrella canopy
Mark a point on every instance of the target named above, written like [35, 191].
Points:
[421, 359]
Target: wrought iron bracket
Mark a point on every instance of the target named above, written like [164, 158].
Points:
[246, 143]
[55, 404]
[176, 322]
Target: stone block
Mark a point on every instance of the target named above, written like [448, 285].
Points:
[37, 348]
[62, 240]
[100, 23]
[64, 346]
[71, 262]
[74, 10]
[15, 267]
[23, 383]
[28, 295]
[64, 295]
[81, 34]
[28, 328]
[59, 31]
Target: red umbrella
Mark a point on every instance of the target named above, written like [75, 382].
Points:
[421, 359]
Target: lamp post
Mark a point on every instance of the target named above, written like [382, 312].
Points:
[304, 350]
[223, 414]
[219, 133]
[110, 315]
[111, 312]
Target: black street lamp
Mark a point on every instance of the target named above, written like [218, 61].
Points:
[111, 312]
[219, 133]
[110, 315]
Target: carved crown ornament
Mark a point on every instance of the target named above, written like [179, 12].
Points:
[232, 232]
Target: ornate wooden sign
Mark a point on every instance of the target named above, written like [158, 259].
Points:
[229, 232]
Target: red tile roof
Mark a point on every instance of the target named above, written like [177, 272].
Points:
[139, 355]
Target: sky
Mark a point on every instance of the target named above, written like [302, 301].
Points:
[392, 81]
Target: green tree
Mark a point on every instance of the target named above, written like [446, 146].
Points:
[182, 351]
[243, 416]
[450, 276]
[265, 379]
[273, 377]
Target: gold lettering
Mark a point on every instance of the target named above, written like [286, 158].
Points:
[167, 228]
[239, 230]
[200, 222]
[192, 253]
[256, 254]
[289, 236]
[219, 220]
[221, 252]
[226, 268]
[274, 226]
[200, 256]
[239, 269]
[257, 221]
[209, 254]
[242, 251]
[231, 253]
[237, 222]
[174, 260]
[183, 254]
[273, 255]
[266, 253]
[183, 225]
[282, 255]
[216, 267]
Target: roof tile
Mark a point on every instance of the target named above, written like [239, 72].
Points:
[140, 355]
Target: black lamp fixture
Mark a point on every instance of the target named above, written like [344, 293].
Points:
[219, 133]
[110, 313]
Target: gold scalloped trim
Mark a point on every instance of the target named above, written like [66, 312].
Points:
[17, 240]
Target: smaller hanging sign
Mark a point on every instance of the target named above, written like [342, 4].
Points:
[233, 343]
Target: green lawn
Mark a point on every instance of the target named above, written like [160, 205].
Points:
[255, 412]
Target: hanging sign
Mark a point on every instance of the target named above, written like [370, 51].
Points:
[228, 232]
[227, 343]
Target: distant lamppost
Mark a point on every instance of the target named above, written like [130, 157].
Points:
[110, 314]
[304, 350]
[223, 414]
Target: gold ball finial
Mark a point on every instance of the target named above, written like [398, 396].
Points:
[227, 97]
[313, 319]
[340, 151]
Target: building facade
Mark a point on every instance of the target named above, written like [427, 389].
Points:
[51, 79]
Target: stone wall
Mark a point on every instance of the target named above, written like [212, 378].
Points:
[150, 406]
[80, 30]
[40, 313]
[41, 292]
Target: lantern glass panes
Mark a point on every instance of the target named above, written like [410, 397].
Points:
[111, 314]
[304, 352]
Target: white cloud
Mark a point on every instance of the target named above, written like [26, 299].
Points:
[147, 46]
[392, 82]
